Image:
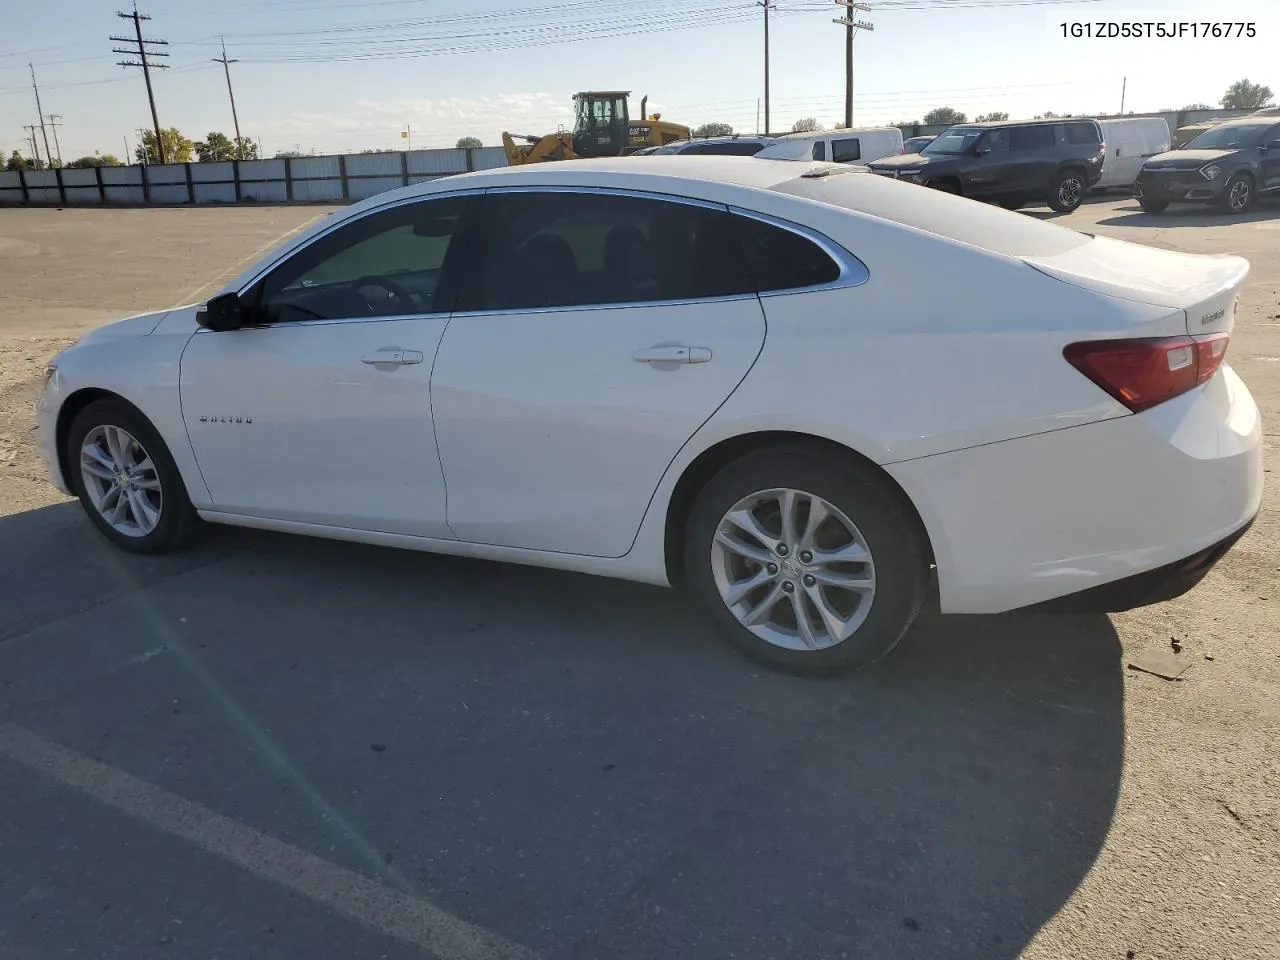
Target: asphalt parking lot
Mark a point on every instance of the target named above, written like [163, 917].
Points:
[277, 747]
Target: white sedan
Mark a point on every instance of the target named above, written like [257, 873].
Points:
[813, 398]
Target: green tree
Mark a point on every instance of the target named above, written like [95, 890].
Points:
[215, 146]
[806, 125]
[103, 160]
[991, 117]
[943, 115]
[177, 148]
[714, 129]
[1243, 95]
[468, 143]
[17, 162]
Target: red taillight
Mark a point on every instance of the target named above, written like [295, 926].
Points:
[1143, 373]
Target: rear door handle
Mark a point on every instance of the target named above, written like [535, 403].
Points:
[672, 353]
[392, 356]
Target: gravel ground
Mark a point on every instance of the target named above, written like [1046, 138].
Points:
[271, 746]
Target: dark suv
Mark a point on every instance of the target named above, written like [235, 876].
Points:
[1230, 164]
[1008, 163]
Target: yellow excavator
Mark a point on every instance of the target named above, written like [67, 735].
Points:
[602, 127]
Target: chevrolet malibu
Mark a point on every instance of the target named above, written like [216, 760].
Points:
[813, 398]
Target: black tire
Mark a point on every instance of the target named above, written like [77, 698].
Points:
[1151, 205]
[1013, 204]
[1067, 191]
[177, 523]
[886, 526]
[1238, 195]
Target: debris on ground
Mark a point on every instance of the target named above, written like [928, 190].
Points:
[1162, 662]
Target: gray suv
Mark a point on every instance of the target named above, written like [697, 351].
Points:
[1230, 165]
[1010, 163]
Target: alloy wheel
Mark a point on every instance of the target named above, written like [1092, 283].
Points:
[793, 569]
[1070, 192]
[1239, 196]
[121, 481]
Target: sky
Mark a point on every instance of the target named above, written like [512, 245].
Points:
[346, 75]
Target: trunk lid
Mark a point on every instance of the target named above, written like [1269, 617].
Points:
[1204, 288]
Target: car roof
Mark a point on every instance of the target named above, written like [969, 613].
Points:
[1252, 120]
[730, 138]
[989, 124]
[814, 134]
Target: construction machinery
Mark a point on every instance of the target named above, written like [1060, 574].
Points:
[602, 127]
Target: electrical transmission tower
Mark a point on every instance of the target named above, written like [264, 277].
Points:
[141, 50]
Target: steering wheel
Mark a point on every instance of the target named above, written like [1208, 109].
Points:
[403, 300]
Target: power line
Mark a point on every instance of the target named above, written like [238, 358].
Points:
[141, 53]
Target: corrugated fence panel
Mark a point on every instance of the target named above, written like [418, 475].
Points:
[359, 189]
[10, 179]
[308, 167]
[373, 164]
[438, 161]
[427, 177]
[8, 195]
[204, 172]
[268, 191]
[43, 195]
[80, 178]
[488, 158]
[167, 173]
[41, 178]
[262, 170]
[83, 195]
[169, 193]
[214, 192]
[316, 189]
[124, 194]
[130, 175]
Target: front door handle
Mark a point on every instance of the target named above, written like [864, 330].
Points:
[672, 353]
[392, 356]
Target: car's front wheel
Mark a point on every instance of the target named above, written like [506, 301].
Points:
[1067, 191]
[805, 561]
[1238, 195]
[127, 481]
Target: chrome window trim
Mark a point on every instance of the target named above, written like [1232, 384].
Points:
[624, 305]
[853, 272]
[347, 221]
[611, 192]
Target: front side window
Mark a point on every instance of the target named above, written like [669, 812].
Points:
[781, 259]
[1038, 137]
[820, 150]
[995, 141]
[846, 151]
[384, 264]
[550, 250]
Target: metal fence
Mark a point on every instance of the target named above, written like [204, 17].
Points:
[332, 179]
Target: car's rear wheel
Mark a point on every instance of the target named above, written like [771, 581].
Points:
[1067, 191]
[127, 481]
[1151, 205]
[805, 561]
[1238, 195]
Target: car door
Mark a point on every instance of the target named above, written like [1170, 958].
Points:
[1033, 161]
[1269, 159]
[319, 410]
[595, 333]
[988, 171]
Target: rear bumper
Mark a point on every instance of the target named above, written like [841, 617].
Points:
[1143, 589]
[1058, 514]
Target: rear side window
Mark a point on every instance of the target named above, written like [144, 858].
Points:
[780, 259]
[553, 250]
[1082, 133]
[740, 149]
[820, 150]
[1039, 137]
[846, 151]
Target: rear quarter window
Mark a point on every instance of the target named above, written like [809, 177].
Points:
[846, 151]
[780, 259]
[1082, 133]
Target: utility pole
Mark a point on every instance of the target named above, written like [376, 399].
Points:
[40, 114]
[850, 27]
[128, 157]
[33, 127]
[55, 121]
[141, 53]
[767, 4]
[226, 68]
[1123, 84]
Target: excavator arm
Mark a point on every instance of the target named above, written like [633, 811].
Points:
[552, 146]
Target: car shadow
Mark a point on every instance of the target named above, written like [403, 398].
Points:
[569, 760]
[1191, 215]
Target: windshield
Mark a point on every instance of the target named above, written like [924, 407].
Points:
[953, 140]
[1229, 137]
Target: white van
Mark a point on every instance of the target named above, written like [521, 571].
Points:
[858, 147]
[1130, 141]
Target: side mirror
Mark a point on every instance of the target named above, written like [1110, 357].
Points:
[981, 151]
[222, 313]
